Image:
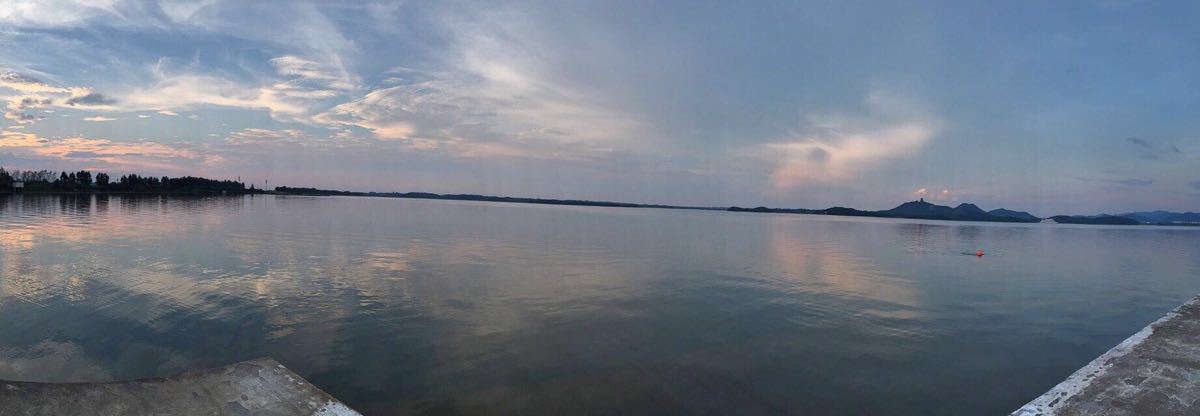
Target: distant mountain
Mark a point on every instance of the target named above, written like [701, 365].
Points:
[1164, 217]
[921, 209]
[1006, 213]
[1103, 219]
[970, 212]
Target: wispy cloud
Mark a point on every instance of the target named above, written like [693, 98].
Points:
[838, 147]
[25, 84]
[1156, 152]
[99, 118]
[1117, 181]
[1139, 142]
[296, 91]
[493, 96]
[9, 139]
[135, 155]
[267, 136]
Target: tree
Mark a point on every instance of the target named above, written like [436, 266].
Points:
[83, 178]
[101, 180]
[6, 179]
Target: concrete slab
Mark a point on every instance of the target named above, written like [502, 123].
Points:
[1154, 372]
[256, 387]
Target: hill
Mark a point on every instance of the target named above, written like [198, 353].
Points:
[1021, 215]
[920, 209]
[1103, 220]
[1164, 217]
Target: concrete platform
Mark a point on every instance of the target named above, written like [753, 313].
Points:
[1154, 372]
[255, 387]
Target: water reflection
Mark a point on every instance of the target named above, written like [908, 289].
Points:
[441, 307]
[836, 266]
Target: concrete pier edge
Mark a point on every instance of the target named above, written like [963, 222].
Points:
[261, 386]
[1099, 376]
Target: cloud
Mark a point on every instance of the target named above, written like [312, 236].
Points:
[99, 118]
[191, 90]
[24, 84]
[22, 118]
[297, 89]
[56, 13]
[18, 139]
[17, 108]
[495, 93]
[81, 154]
[1151, 151]
[88, 98]
[123, 155]
[839, 148]
[1140, 142]
[144, 116]
[1117, 181]
[259, 136]
[494, 96]
[29, 101]
[311, 78]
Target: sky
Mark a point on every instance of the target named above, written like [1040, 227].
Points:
[1051, 107]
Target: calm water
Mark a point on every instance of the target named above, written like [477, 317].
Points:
[438, 307]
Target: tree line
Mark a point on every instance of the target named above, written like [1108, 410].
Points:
[86, 181]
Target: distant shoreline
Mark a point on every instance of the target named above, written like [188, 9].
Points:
[45, 182]
[835, 211]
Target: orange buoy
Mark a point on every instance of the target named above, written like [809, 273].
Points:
[979, 253]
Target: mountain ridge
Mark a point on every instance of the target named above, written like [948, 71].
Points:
[919, 209]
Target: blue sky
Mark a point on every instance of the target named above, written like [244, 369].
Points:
[1053, 107]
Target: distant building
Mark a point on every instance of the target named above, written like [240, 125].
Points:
[18, 186]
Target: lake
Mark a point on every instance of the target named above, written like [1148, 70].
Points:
[448, 307]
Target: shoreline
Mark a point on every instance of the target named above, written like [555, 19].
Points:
[566, 202]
